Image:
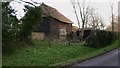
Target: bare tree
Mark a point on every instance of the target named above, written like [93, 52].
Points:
[102, 25]
[76, 14]
[112, 17]
[84, 13]
[75, 11]
[116, 25]
[95, 21]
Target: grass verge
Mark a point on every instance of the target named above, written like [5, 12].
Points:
[96, 53]
[41, 54]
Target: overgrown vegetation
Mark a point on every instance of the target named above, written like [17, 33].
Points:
[41, 54]
[9, 27]
[101, 39]
[14, 31]
[32, 17]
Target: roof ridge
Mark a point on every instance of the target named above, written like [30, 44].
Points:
[55, 13]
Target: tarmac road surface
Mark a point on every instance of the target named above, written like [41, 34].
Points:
[108, 59]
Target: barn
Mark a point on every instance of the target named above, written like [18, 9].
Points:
[54, 24]
[87, 32]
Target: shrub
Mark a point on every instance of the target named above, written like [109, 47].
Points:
[100, 39]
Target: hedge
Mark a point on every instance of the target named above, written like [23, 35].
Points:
[100, 38]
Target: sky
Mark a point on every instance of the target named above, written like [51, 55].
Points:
[102, 8]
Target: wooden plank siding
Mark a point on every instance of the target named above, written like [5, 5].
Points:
[52, 23]
[52, 26]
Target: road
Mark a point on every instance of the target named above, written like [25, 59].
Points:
[108, 59]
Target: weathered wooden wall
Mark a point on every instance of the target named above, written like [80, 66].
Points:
[51, 27]
[54, 28]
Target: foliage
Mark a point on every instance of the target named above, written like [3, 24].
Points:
[9, 26]
[100, 39]
[32, 17]
[13, 31]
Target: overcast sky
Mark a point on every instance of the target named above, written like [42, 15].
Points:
[102, 7]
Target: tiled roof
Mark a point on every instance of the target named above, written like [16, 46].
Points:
[49, 11]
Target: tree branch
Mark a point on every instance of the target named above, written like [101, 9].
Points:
[35, 2]
[75, 11]
[28, 3]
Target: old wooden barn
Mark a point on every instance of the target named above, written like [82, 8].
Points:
[54, 24]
